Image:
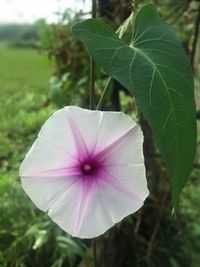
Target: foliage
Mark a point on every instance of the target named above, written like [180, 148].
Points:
[69, 60]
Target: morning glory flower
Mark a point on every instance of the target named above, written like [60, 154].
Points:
[86, 170]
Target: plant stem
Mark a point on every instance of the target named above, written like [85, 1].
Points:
[94, 8]
[105, 91]
[92, 82]
[94, 252]
[92, 64]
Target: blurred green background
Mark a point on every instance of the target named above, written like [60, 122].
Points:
[42, 68]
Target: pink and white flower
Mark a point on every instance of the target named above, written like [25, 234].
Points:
[86, 169]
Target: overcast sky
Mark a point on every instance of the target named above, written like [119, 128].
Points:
[30, 10]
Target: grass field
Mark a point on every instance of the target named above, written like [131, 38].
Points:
[27, 237]
[24, 88]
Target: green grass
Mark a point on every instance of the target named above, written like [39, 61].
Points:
[24, 90]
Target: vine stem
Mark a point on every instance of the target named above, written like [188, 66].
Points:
[94, 245]
[94, 8]
[92, 64]
[105, 91]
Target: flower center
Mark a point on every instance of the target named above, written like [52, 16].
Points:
[88, 168]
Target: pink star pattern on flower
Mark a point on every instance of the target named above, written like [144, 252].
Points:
[86, 169]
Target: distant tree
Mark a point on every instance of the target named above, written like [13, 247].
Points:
[13, 31]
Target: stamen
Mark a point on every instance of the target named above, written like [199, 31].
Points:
[87, 167]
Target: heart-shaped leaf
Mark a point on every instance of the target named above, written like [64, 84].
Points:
[155, 69]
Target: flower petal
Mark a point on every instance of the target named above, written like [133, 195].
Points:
[101, 205]
[107, 207]
[46, 172]
[98, 129]
[45, 191]
[113, 126]
[129, 179]
[126, 150]
[86, 124]
[57, 131]
[46, 157]
[69, 210]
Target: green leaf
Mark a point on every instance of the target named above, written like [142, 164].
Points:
[155, 69]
